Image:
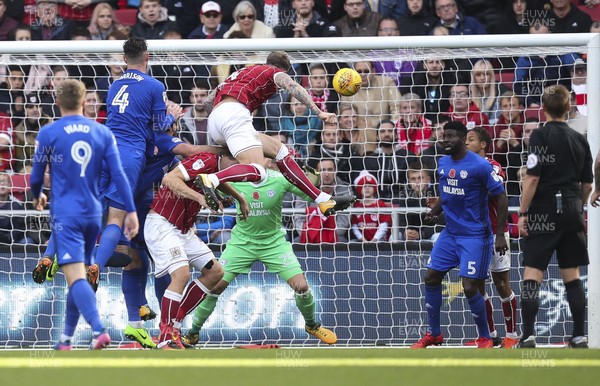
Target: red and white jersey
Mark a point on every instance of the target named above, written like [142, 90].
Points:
[179, 211]
[368, 223]
[252, 86]
[493, 208]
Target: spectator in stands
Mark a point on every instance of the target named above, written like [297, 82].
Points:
[418, 190]
[369, 226]
[395, 69]
[177, 78]
[20, 33]
[485, 91]
[514, 20]
[93, 107]
[534, 73]
[377, 99]
[215, 229]
[302, 125]
[6, 143]
[318, 88]
[440, 30]
[153, 20]
[12, 96]
[48, 96]
[246, 22]
[507, 132]
[104, 82]
[335, 228]
[430, 156]
[387, 163]
[304, 22]
[432, 85]
[358, 20]
[12, 227]
[517, 157]
[103, 22]
[332, 147]
[579, 85]
[456, 23]
[210, 23]
[575, 119]
[347, 122]
[48, 25]
[417, 21]
[567, 18]
[81, 71]
[414, 130]
[26, 132]
[462, 109]
[7, 23]
[194, 120]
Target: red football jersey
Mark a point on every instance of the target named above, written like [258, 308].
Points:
[252, 86]
[180, 211]
[369, 222]
[493, 208]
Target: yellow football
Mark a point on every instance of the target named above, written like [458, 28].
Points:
[347, 81]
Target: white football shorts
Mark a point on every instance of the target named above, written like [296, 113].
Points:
[230, 124]
[501, 263]
[170, 249]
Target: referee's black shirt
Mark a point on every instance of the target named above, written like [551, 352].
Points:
[561, 157]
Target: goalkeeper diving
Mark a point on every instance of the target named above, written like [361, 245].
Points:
[260, 237]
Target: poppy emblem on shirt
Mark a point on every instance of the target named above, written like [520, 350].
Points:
[463, 174]
[255, 195]
[452, 173]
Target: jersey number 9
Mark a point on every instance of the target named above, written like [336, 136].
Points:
[81, 152]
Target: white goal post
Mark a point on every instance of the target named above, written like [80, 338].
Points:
[333, 50]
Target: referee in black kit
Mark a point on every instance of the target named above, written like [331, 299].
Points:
[558, 183]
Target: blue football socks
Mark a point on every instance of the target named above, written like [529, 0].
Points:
[433, 303]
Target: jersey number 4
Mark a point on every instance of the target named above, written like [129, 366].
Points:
[121, 99]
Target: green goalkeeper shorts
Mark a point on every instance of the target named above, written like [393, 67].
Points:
[278, 257]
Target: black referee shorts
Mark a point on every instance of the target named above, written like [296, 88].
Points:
[549, 232]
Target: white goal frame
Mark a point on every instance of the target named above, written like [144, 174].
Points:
[339, 45]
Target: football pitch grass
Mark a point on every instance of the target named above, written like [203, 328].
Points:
[306, 367]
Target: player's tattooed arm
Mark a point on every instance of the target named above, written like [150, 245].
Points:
[208, 103]
[284, 81]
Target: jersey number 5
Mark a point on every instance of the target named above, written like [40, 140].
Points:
[81, 152]
[121, 99]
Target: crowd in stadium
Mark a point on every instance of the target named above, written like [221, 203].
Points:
[386, 143]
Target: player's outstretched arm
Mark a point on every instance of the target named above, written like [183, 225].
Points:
[244, 208]
[502, 211]
[187, 150]
[284, 81]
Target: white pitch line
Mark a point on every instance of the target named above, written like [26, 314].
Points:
[287, 361]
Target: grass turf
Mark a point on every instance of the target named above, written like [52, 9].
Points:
[290, 367]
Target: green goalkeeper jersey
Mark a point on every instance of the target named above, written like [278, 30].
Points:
[265, 200]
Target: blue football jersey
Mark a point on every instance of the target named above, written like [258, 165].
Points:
[136, 106]
[157, 166]
[465, 186]
[75, 148]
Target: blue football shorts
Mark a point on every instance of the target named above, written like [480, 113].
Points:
[473, 255]
[75, 238]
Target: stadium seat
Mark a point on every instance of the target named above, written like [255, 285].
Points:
[506, 77]
[593, 12]
[127, 16]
